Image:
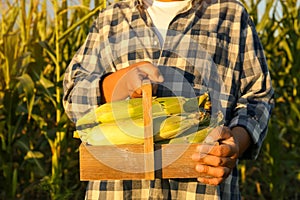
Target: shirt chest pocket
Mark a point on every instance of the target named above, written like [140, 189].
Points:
[212, 46]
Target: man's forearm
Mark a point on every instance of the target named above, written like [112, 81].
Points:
[242, 137]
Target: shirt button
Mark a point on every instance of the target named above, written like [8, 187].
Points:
[155, 43]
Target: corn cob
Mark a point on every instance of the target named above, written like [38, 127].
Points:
[171, 105]
[194, 135]
[113, 110]
[184, 128]
[198, 134]
[133, 108]
[203, 120]
[122, 132]
[131, 131]
[171, 117]
[173, 126]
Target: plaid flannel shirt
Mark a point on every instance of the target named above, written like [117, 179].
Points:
[211, 45]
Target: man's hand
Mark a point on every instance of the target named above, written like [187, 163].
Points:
[127, 82]
[218, 155]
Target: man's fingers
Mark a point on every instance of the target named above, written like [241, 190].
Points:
[212, 175]
[134, 82]
[127, 82]
[214, 160]
[210, 171]
[218, 134]
[210, 181]
[221, 150]
[137, 74]
[152, 72]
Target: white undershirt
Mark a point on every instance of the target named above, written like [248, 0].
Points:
[162, 14]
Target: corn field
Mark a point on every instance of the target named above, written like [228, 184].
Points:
[38, 154]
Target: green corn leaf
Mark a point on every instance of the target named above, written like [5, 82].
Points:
[81, 21]
[28, 86]
[14, 182]
[34, 155]
[9, 20]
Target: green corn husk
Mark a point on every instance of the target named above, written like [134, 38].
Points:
[121, 122]
[133, 108]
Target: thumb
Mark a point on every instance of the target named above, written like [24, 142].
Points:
[218, 134]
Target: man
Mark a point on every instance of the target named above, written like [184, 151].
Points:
[184, 48]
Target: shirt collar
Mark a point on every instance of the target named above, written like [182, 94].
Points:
[141, 3]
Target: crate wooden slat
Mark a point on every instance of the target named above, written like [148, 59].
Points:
[123, 162]
[176, 161]
[148, 130]
[111, 162]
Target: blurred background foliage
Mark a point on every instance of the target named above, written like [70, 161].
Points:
[39, 157]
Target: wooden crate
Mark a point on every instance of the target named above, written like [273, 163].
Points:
[127, 162]
[148, 161]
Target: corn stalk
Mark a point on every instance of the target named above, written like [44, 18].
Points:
[38, 157]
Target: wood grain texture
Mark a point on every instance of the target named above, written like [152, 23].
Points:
[111, 162]
[123, 162]
[148, 130]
